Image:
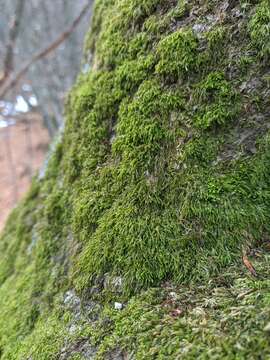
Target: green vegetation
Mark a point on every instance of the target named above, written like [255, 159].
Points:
[178, 54]
[259, 27]
[223, 319]
[161, 179]
[218, 101]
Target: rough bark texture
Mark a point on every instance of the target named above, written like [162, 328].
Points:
[147, 234]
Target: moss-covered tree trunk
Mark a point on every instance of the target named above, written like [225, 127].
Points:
[132, 242]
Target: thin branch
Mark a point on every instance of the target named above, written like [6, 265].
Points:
[43, 53]
[13, 34]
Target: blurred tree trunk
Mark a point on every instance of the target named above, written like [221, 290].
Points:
[48, 79]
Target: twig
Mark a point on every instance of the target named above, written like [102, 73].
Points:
[13, 34]
[39, 55]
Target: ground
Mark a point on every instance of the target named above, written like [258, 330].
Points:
[28, 152]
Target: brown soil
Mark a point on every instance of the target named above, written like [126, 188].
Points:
[22, 150]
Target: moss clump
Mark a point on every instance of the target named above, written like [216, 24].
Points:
[218, 100]
[119, 28]
[259, 28]
[217, 39]
[178, 54]
[143, 126]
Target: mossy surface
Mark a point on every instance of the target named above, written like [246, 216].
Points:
[260, 29]
[161, 177]
[226, 318]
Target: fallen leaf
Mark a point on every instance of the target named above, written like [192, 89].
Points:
[249, 266]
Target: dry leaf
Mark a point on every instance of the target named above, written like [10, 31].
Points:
[249, 266]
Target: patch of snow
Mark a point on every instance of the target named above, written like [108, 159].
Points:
[33, 101]
[21, 105]
[6, 123]
[7, 108]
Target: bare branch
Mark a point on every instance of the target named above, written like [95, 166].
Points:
[13, 34]
[43, 53]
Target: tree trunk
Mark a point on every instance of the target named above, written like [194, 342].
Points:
[148, 235]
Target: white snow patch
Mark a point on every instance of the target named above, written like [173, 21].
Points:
[21, 105]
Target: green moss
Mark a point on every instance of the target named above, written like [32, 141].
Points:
[224, 319]
[16, 236]
[178, 54]
[259, 28]
[119, 28]
[217, 39]
[153, 181]
[201, 150]
[143, 128]
[159, 25]
[218, 101]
